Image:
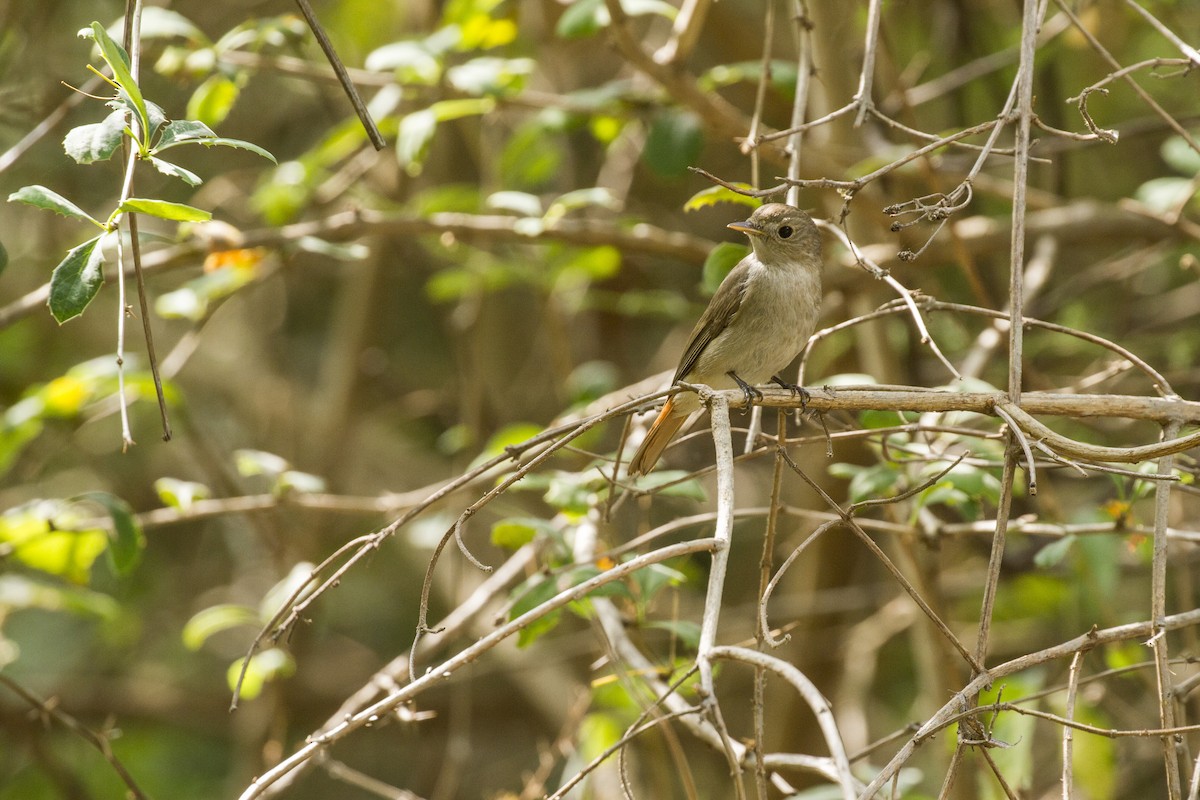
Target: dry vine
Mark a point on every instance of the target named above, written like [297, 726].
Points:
[931, 436]
[946, 419]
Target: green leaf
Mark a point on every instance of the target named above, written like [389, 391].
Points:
[352, 251]
[189, 131]
[782, 74]
[264, 667]
[76, 280]
[517, 532]
[88, 144]
[598, 732]
[446, 110]
[127, 541]
[295, 586]
[41, 197]
[508, 436]
[574, 492]
[22, 592]
[165, 210]
[523, 203]
[193, 299]
[638, 8]
[38, 535]
[163, 23]
[1052, 554]
[176, 171]
[656, 577]
[1180, 155]
[258, 462]
[301, 482]
[238, 144]
[3, 258]
[183, 303]
[721, 260]
[685, 631]
[208, 622]
[532, 595]
[581, 198]
[491, 75]
[583, 607]
[411, 63]
[118, 61]
[417, 129]
[181, 494]
[689, 489]
[213, 99]
[868, 483]
[158, 117]
[282, 193]
[719, 194]
[582, 18]
[673, 143]
[974, 482]
[585, 266]
[874, 418]
[181, 131]
[1123, 655]
[1165, 194]
[592, 380]
[413, 138]
[480, 30]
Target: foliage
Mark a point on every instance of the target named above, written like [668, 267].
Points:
[77, 278]
[389, 369]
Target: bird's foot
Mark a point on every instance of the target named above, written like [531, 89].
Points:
[749, 391]
[794, 388]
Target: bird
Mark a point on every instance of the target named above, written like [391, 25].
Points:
[760, 318]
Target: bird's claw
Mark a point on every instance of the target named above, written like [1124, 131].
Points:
[749, 392]
[795, 389]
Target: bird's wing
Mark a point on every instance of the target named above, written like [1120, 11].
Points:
[720, 312]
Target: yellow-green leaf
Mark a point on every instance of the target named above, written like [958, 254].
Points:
[177, 212]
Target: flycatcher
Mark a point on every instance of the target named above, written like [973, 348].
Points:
[757, 322]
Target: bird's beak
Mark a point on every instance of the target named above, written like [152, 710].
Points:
[747, 227]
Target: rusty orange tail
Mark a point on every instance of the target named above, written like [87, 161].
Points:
[661, 433]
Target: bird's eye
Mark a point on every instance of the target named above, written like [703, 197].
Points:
[785, 231]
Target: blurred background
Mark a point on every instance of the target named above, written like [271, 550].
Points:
[357, 327]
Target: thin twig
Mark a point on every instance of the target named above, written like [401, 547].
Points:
[1019, 436]
[1068, 740]
[848, 519]
[455, 529]
[1188, 51]
[636, 729]
[762, 635]
[1158, 610]
[468, 655]
[97, 740]
[73, 98]
[360, 108]
[718, 407]
[951, 710]
[802, 29]
[760, 91]
[1087, 34]
[863, 96]
[811, 696]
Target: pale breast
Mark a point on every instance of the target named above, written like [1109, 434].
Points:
[776, 316]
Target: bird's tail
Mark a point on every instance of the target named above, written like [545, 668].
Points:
[661, 433]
